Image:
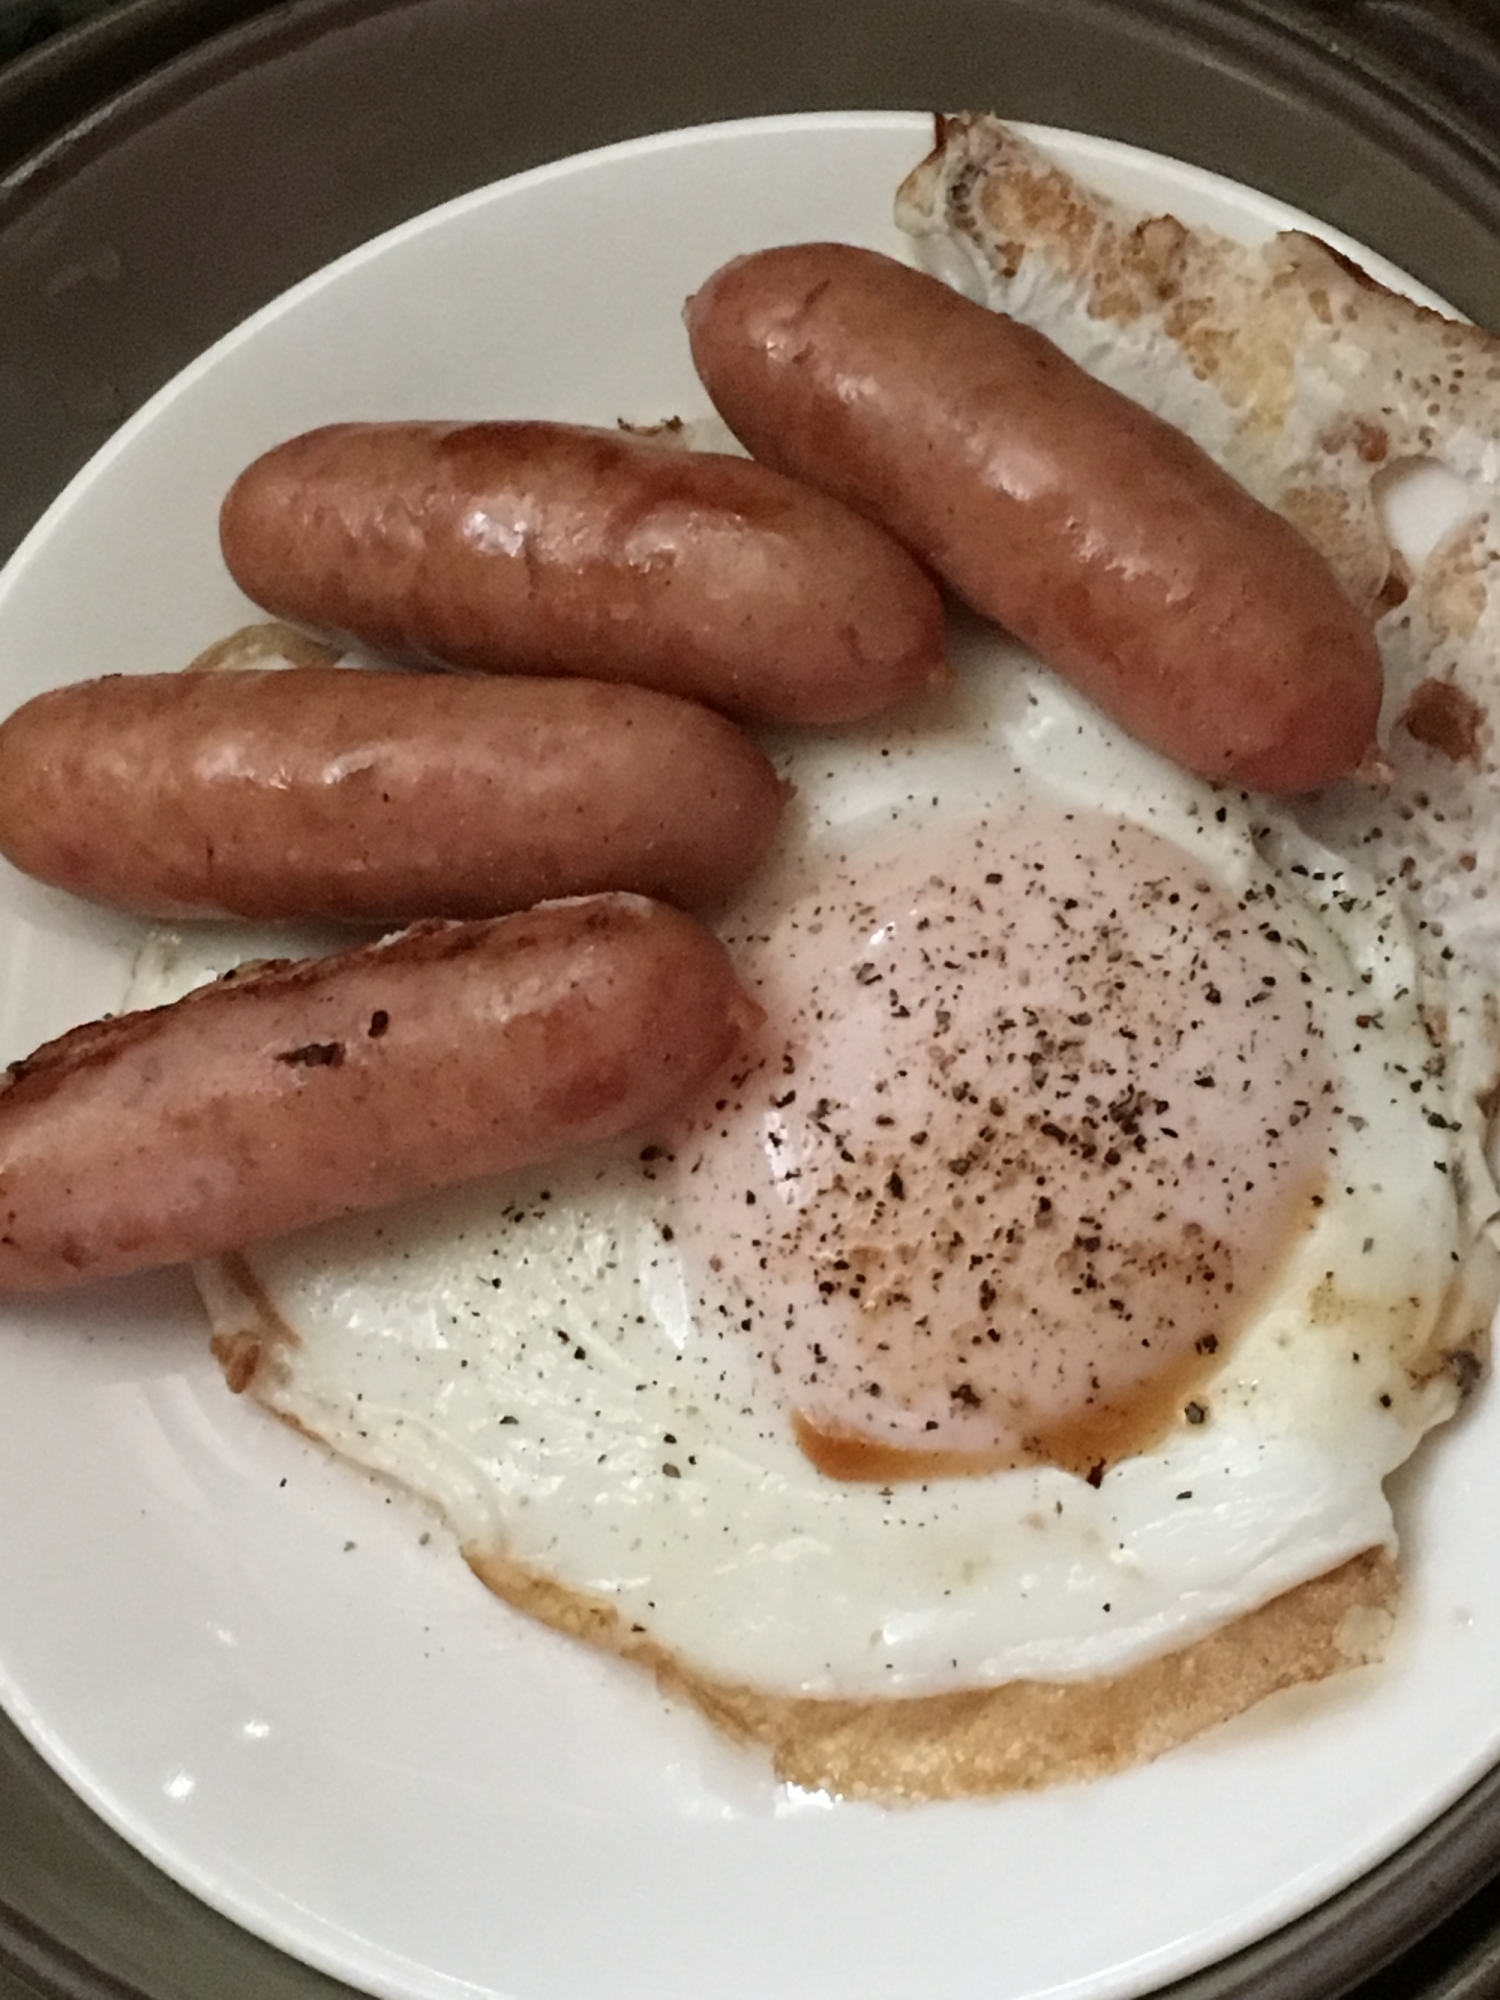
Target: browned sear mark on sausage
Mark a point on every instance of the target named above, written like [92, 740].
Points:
[1446, 719]
[313, 1055]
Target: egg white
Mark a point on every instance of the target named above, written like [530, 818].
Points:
[526, 1355]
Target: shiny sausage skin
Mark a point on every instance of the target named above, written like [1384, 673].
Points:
[303, 1090]
[376, 797]
[545, 548]
[1100, 536]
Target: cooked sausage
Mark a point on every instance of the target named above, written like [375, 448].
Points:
[378, 797]
[1100, 536]
[309, 1089]
[545, 548]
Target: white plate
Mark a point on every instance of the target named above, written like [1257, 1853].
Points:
[267, 1673]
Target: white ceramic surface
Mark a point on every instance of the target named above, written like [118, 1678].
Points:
[279, 1681]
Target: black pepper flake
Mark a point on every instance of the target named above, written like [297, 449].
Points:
[1195, 1413]
[671, 1472]
[1094, 1476]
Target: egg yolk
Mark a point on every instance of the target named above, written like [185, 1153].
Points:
[1038, 1111]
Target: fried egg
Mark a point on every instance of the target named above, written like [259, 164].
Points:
[1039, 1308]
[1101, 1217]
